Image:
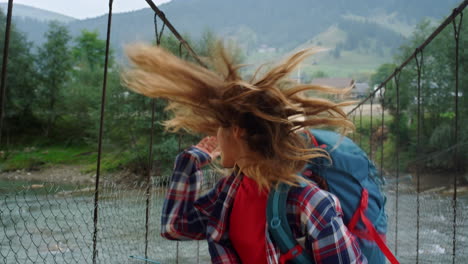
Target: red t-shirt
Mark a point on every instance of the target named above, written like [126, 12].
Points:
[248, 222]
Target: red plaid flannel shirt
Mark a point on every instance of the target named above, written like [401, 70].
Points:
[314, 214]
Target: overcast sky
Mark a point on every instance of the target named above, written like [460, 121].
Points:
[86, 8]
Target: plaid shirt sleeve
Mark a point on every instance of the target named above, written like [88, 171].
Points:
[328, 239]
[180, 219]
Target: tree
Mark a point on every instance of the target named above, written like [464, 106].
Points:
[54, 63]
[84, 90]
[90, 51]
[319, 74]
[207, 46]
[336, 52]
[437, 96]
[382, 73]
[20, 82]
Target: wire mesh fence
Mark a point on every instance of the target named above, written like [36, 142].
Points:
[50, 224]
[435, 227]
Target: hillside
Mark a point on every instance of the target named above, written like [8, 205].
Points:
[24, 11]
[267, 29]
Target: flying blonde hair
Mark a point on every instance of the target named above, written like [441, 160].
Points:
[270, 108]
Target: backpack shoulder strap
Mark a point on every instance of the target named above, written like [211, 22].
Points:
[370, 233]
[279, 229]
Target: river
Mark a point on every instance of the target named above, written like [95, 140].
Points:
[50, 225]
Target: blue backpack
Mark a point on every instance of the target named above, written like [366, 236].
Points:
[353, 178]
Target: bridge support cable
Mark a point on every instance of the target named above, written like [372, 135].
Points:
[397, 144]
[158, 34]
[6, 46]
[419, 58]
[456, 31]
[101, 128]
[382, 133]
[360, 126]
[148, 178]
[182, 43]
[162, 16]
[354, 122]
[370, 128]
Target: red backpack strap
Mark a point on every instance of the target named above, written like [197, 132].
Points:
[313, 139]
[370, 231]
[291, 254]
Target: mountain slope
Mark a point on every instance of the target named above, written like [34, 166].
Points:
[276, 23]
[24, 11]
[373, 29]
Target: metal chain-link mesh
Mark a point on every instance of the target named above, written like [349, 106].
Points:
[435, 234]
[49, 224]
[53, 225]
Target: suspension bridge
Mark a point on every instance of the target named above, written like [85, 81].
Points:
[111, 223]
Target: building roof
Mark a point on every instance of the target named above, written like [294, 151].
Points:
[361, 88]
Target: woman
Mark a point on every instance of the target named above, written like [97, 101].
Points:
[256, 124]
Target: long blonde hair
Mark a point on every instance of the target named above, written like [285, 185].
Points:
[271, 108]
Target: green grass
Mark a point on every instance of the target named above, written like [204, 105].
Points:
[41, 157]
[31, 158]
[361, 137]
[347, 65]
[112, 161]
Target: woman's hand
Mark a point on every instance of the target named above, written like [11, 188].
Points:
[209, 145]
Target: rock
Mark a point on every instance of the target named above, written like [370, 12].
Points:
[83, 190]
[460, 190]
[435, 190]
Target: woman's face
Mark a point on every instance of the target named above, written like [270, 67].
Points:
[228, 146]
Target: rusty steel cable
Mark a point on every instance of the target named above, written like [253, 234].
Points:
[397, 143]
[360, 126]
[370, 128]
[158, 35]
[354, 122]
[101, 129]
[148, 177]
[382, 134]
[6, 46]
[175, 32]
[456, 31]
[419, 67]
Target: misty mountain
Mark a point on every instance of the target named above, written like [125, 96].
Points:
[375, 25]
[24, 11]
